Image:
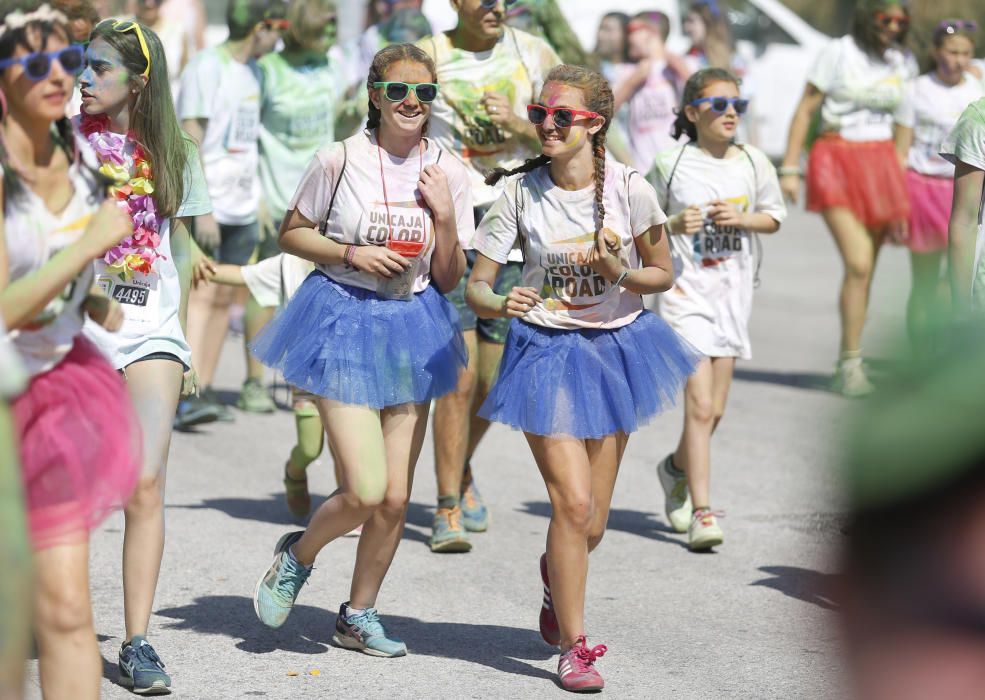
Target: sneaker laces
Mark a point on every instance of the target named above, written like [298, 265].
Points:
[585, 656]
[705, 513]
[369, 622]
[451, 515]
[291, 578]
[145, 653]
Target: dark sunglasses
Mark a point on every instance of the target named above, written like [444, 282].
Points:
[563, 116]
[490, 4]
[397, 92]
[887, 21]
[280, 25]
[719, 105]
[953, 26]
[37, 66]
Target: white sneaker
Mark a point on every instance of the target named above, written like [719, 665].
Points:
[850, 380]
[677, 499]
[704, 532]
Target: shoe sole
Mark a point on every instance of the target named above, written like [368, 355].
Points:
[705, 544]
[158, 687]
[587, 689]
[473, 527]
[452, 547]
[356, 645]
[191, 422]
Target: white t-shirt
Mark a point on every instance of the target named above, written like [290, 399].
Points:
[151, 301]
[516, 67]
[226, 92]
[275, 280]
[711, 301]
[556, 228]
[966, 143]
[359, 214]
[13, 378]
[861, 92]
[651, 114]
[33, 236]
[931, 109]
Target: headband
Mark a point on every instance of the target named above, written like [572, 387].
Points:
[13, 21]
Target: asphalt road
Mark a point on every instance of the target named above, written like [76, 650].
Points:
[752, 620]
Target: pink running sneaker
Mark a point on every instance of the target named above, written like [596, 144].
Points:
[576, 668]
[548, 620]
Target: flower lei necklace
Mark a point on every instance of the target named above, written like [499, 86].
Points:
[133, 192]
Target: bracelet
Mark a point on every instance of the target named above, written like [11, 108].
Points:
[784, 170]
[619, 280]
[350, 250]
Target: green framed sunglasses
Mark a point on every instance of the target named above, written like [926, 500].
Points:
[397, 92]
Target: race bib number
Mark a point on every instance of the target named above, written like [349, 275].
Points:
[244, 128]
[139, 298]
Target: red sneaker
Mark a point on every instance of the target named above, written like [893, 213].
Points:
[576, 668]
[548, 620]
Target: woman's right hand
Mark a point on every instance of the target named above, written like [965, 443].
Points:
[790, 187]
[107, 227]
[379, 260]
[520, 301]
[690, 221]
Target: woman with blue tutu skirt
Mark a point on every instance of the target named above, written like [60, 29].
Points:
[585, 365]
[381, 215]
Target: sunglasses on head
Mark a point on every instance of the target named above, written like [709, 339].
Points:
[563, 116]
[37, 66]
[953, 26]
[886, 20]
[125, 25]
[397, 92]
[719, 105]
[490, 4]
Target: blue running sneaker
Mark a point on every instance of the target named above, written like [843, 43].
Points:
[364, 632]
[141, 669]
[278, 588]
[475, 515]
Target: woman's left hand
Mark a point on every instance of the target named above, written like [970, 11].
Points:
[604, 258]
[189, 384]
[434, 188]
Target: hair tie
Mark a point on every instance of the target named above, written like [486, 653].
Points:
[18, 20]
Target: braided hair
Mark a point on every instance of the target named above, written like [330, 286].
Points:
[599, 99]
[693, 89]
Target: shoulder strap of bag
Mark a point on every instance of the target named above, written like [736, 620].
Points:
[335, 190]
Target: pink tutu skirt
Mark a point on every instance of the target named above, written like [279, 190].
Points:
[930, 210]
[79, 446]
[862, 176]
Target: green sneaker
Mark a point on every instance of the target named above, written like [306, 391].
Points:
[254, 398]
[475, 515]
[296, 495]
[447, 533]
[279, 586]
[677, 500]
[364, 632]
[704, 532]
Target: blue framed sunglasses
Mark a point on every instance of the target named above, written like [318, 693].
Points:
[37, 66]
[720, 104]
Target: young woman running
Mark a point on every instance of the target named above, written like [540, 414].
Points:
[129, 124]
[930, 108]
[368, 332]
[720, 194]
[584, 364]
[853, 176]
[55, 221]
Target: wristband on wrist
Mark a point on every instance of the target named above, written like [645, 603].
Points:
[350, 250]
[784, 170]
[621, 278]
[669, 225]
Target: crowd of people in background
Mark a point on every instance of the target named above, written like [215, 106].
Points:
[519, 211]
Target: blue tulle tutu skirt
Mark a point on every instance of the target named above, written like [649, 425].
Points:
[346, 344]
[589, 383]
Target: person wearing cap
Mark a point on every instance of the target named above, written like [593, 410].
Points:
[854, 178]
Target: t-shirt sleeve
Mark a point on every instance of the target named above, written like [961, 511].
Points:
[497, 232]
[906, 111]
[196, 201]
[769, 198]
[644, 208]
[314, 192]
[823, 73]
[199, 87]
[460, 187]
[966, 142]
[263, 280]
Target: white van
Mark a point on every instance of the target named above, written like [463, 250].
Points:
[777, 46]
